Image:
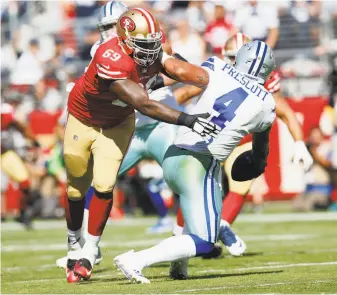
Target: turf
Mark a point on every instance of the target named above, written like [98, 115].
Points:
[283, 257]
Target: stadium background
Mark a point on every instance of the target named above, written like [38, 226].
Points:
[46, 44]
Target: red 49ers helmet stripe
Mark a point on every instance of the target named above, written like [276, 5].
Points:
[149, 19]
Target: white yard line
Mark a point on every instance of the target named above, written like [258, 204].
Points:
[38, 246]
[251, 286]
[63, 246]
[270, 267]
[129, 222]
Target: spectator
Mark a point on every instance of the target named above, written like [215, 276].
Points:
[90, 38]
[28, 69]
[218, 30]
[188, 44]
[58, 66]
[299, 25]
[259, 21]
[318, 188]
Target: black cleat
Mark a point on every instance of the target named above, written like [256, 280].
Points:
[216, 253]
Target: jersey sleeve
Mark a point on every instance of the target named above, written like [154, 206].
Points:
[273, 84]
[112, 65]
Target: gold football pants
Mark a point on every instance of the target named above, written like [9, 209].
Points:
[13, 166]
[94, 154]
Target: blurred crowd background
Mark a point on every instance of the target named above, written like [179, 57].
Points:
[46, 44]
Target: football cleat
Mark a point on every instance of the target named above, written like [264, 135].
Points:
[71, 276]
[126, 264]
[178, 269]
[62, 262]
[234, 245]
[216, 253]
[164, 225]
[83, 268]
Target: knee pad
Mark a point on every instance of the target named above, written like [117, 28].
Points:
[74, 194]
[105, 195]
[202, 247]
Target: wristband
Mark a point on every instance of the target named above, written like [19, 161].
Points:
[186, 120]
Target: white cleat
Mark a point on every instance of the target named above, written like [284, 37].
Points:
[126, 264]
[234, 244]
[178, 269]
[62, 262]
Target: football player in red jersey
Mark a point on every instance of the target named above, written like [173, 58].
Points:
[101, 122]
[234, 200]
[12, 164]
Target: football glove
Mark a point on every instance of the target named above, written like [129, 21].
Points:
[301, 154]
[245, 167]
[199, 124]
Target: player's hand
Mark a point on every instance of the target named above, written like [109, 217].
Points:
[246, 167]
[302, 154]
[203, 126]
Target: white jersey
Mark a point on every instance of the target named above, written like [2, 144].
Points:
[237, 104]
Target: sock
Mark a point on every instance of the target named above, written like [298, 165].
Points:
[171, 249]
[100, 207]
[74, 214]
[90, 248]
[88, 198]
[73, 236]
[153, 189]
[180, 218]
[24, 187]
[231, 206]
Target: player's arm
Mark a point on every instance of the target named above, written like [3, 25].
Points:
[183, 71]
[135, 96]
[183, 94]
[163, 78]
[252, 163]
[287, 115]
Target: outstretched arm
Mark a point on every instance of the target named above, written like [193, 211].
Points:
[184, 72]
[287, 115]
[135, 96]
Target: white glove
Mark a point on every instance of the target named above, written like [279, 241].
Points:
[302, 154]
[204, 127]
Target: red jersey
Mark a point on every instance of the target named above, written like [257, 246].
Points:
[7, 116]
[273, 83]
[90, 100]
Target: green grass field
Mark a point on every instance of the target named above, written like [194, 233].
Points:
[287, 253]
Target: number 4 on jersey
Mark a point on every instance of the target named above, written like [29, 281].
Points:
[226, 105]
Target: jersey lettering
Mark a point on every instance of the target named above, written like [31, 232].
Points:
[226, 105]
[111, 54]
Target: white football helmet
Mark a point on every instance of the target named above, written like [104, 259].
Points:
[256, 60]
[108, 17]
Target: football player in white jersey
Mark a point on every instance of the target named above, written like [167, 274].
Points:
[239, 105]
[234, 200]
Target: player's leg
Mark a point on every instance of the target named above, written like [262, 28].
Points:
[78, 139]
[157, 144]
[108, 151]
[195, 178]
[134, 155]
[232, 204]
[13, 166]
